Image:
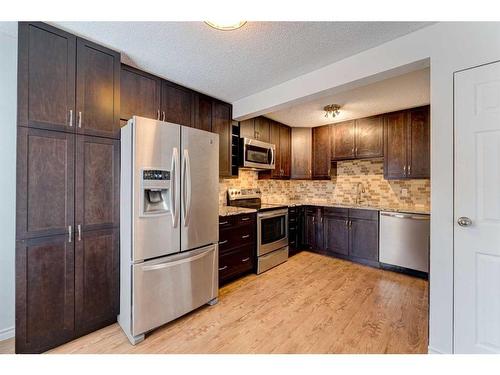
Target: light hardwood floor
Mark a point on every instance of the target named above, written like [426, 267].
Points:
[310, 304]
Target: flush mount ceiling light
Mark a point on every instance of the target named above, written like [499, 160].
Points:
[331, 109]
[226, 25]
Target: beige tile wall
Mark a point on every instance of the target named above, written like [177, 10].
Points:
[341, 188]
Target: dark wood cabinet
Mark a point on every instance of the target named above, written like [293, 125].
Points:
[45, 182]
[280, 137]
[419, 143]
[97, 90]
[247, 128]
[140, 94]
[221, 124]
[295, 219]
[407, 144]
[177, 104]
[237, 246]
[343, 140]
[46, 77]
[262, 129]
[285, 150]
[44, 293]
[336, 234]
[203, 114]
[97, 194]
[363, 239]
[67, 188]
[369, 139]
[96, 279]
[321, 158]
[313, 228]
[301, 167]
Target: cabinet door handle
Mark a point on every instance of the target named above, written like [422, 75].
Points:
[245, 260]
[70, 118]
[79, 119]
[353, 151]
[79, 227]
[223, 268]
[347, 223]
[224, 222]
[69, 233]
[409, 169]
[223, 242]
[245, 218]
[245, 236]
[404, 170]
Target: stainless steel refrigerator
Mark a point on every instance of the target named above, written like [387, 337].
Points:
[168, 223]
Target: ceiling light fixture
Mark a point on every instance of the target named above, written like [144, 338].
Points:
[332, 109]
[226, 25]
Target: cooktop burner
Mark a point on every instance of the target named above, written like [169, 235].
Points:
[250, 198]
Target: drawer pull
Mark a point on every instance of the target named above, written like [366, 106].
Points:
[245, 218]
[224, 222]
[245, 260]
[292, 242]
[223, 242]
[245, 236]
[223, 268]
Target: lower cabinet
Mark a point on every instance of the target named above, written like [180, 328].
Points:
[336, 233]
[295, 218]
[237, 246]
[65, 288]
[363, 239]
[313, 230]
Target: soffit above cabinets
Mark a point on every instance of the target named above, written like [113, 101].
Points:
[401, 92]
[230, 65]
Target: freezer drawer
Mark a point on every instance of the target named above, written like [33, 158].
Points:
[169, 287]
[404, 240]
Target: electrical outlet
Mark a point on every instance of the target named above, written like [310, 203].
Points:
[404, 193]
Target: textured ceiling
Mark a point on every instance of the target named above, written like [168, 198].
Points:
[404, 91]
[230, 65]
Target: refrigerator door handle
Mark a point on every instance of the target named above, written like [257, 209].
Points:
[187, 187]
[173, 186]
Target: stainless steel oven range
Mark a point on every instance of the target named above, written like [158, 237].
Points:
[272, 227]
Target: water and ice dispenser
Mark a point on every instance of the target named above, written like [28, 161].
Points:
[155, 191]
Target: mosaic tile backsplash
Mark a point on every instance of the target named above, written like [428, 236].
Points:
[366, 175]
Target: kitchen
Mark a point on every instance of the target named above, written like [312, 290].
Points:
[152, 218]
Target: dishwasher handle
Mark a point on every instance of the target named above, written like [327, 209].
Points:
[400, 215]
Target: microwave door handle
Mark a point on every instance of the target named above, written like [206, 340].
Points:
[272, 156]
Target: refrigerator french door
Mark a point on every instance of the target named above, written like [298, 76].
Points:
[169, 223]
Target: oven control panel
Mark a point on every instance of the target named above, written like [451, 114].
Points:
[235, 193]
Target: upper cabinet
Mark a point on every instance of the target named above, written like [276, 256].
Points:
[97, 90]
[177, 104]
[358, 139]
[258, 128]
[321, 159]
[280, 137]
[301, 153]
[407, 144]
[221, 124]
[140, 94]
[203, 113]
[67, 83]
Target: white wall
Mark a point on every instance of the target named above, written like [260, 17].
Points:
[450, 47]
[8, 103]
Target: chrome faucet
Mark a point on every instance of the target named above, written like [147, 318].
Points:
[359, 190]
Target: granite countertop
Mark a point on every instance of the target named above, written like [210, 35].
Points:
[231, 210]
[295, 203]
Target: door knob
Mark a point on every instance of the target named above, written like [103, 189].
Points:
[464, 221]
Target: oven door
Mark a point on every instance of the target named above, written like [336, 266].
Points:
[272, 231]
[257, 154]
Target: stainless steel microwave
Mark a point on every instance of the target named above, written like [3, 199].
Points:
[257, 154]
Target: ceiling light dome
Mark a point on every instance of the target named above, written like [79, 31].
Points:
[226, 25]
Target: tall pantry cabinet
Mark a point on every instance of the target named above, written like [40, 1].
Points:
[67, 225]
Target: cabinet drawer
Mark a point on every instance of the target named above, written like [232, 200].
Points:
[246, 219]
[237, 236]
[226, 221]
[236, 262]
[336, 211]
[357, 213]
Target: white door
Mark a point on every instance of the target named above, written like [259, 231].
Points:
[477, 210]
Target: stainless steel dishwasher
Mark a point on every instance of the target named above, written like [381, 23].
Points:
[404, 240]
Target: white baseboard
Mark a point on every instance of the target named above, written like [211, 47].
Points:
[6, 333]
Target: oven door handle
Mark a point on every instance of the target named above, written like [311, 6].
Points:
[274, 213]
